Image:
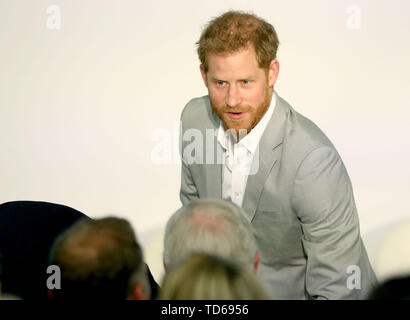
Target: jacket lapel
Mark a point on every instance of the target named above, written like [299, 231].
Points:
[214, 181]
[265, 158]
[213, 172]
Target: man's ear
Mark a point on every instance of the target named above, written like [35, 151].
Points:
[138, 293]
[203, 73]
[273, 72]
[256, 261]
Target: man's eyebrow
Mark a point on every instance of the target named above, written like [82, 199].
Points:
[249, 77]
[215, 79]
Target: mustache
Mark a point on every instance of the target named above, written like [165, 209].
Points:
[234, 111]
[223, 108]
[238, 110]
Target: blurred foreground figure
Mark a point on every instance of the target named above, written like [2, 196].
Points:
[100, 259]
[28, 229]
[4, 296]
[397, 288]
[393, 256]
[213, 226]
[206, 277]
[392, 265]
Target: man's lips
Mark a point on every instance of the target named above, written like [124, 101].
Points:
[236, 115]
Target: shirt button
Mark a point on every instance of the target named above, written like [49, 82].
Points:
[236, 194]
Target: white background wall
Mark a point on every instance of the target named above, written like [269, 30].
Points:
[79, 105]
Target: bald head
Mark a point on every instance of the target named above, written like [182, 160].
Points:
[98, 258]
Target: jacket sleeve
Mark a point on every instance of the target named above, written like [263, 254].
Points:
[337, 263]
[188, 191]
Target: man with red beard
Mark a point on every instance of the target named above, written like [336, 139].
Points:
[244, 143]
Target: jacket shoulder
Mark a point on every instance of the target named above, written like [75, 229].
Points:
[198, 113]
[195, 106]
[305, 132]
[302, 136]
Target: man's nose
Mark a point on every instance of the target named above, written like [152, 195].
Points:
[233, 97]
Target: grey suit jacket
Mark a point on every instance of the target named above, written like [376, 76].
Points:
[300, 203]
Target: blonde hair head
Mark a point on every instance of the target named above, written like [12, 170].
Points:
[206, 277]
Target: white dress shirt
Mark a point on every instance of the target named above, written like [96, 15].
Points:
[238, 157]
